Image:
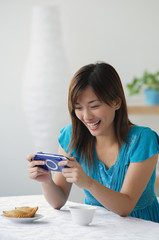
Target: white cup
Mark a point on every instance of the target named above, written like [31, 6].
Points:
[82, 215]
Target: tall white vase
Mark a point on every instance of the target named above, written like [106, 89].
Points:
[46, 79]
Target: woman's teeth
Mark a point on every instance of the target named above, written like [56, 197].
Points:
[93, 124]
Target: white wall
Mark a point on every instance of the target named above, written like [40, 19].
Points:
[123, 33]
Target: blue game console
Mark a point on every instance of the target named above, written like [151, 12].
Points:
[51, 161]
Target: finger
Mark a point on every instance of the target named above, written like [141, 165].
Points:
[72, 163]
[69, 163]
[35, 174]
[70, 180]
[36, 163]
[63, 163]
[37, 169]
[33, 170]
[67, 170]
[30, 157]
[72, 159]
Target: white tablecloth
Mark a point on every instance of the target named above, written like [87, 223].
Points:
[57, 224]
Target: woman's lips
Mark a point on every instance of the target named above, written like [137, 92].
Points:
[93, 125]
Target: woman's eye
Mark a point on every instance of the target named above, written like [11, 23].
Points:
[96, 106]
[78, 108]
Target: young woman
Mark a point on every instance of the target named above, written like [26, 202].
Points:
[112, 159]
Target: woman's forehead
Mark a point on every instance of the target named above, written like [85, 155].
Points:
[87, 93]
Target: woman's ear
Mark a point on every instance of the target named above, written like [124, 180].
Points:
[117, 103]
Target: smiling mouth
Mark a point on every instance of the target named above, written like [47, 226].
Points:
[93, 125]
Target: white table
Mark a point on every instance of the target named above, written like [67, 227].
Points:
[57, 224]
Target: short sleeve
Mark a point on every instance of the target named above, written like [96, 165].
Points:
[145, 145]
[65, 138]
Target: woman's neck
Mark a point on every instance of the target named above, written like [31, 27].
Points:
[107, 148]
[107, 140]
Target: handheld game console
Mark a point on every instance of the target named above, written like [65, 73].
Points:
[51, 161]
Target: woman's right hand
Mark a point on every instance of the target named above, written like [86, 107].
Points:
[38, 173]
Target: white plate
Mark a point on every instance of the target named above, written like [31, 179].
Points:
[24, 220]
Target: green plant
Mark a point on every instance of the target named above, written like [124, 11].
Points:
[147, 80]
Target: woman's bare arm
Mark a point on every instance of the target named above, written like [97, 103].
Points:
[136, 180]
[123, 202]
[57, 190]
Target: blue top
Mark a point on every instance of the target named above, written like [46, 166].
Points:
[142, 144]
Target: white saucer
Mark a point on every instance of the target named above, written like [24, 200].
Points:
[24, 220]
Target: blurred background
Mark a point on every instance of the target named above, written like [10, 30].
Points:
[122, 33]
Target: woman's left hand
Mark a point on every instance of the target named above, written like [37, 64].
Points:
[75, 173]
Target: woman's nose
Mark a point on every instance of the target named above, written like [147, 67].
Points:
[87, 115]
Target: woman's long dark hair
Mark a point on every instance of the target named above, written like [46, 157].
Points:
[107, 86]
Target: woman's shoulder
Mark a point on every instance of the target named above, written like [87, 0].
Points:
[65, 140]
[66, 129]
[65, 137]
[141, 131]
[143, 143]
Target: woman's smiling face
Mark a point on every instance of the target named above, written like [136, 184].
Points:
[96, 115]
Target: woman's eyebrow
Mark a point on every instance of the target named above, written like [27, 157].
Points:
[92, 101]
